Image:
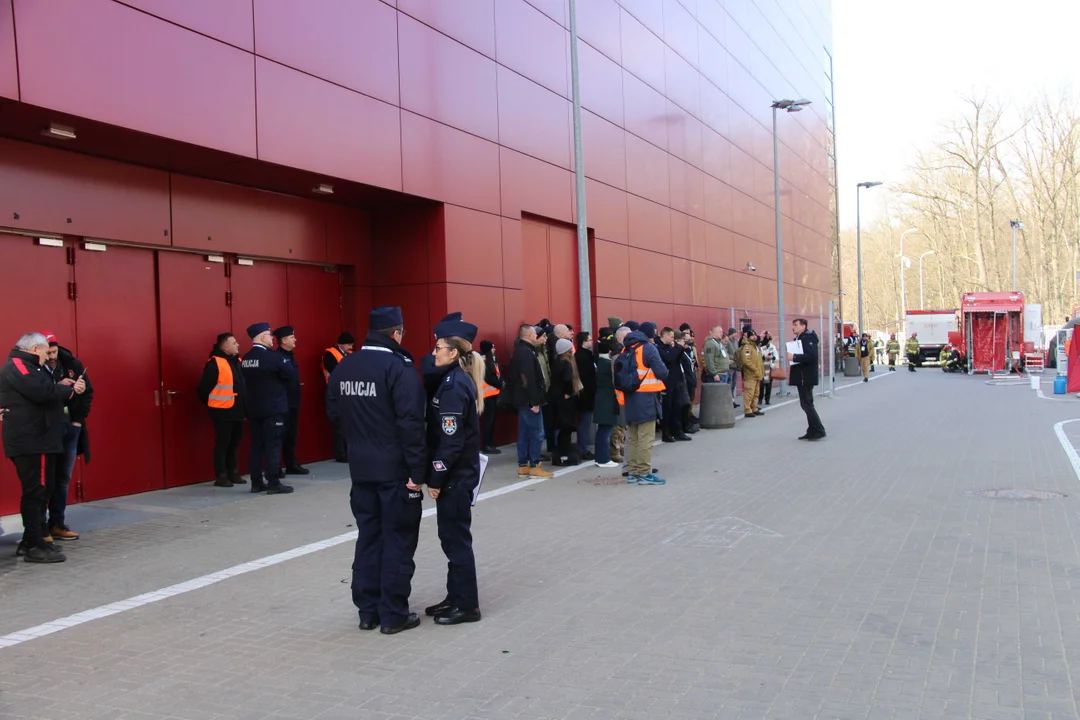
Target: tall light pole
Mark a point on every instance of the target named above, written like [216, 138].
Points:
[858, 243]
[584, 291]
[1015, 225]
[903, 298]
[792, 106]
[928, 252]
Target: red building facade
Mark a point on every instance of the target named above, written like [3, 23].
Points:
[159, 161]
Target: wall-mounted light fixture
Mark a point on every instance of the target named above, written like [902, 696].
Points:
[323, 189]
[60, 132]
[750, 267]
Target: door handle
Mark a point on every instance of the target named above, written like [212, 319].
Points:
[169, 394]
[157, 398]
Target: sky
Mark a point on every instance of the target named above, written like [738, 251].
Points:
[901, 68]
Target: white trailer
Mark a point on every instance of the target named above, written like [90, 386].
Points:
[933, 328]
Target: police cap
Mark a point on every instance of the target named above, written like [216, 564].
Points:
[284, 331]
[257, 329]
[455, 328]
[384, 317]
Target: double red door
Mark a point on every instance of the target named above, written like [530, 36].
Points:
[143, 322]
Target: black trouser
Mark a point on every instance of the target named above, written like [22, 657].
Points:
[765, 393]
[491, 405]
[454, 513]
[671, 424]
[814, 428]
[36, 474]
[227, 435]
[288, 441]
[388, 527]
[266, 435]
[564, 447]
[548, 412]
[341, 448]
[687, 417]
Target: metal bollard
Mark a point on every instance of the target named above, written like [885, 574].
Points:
[716, 406]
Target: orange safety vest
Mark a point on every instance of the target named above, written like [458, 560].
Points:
[489, 390]
[222, 396]
[338, 355]
[649, 383]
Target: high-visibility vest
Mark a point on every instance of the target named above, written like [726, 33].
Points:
[222, 396]
[338, 355]
[649, 383]
[490, 390]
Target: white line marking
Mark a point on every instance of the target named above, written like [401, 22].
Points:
[1070, 451]
[113, 608]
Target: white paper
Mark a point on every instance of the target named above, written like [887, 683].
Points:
[795, 347]
[483, 469]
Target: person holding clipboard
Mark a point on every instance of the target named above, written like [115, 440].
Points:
[802, 355]
[455, 390]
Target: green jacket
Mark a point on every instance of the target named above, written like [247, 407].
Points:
[717, 360]
[912, 346]
[893, 347]
[545, 367]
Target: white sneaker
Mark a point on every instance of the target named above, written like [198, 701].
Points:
[608, 464]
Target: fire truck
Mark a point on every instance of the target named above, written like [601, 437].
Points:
[992, 331]
[933, 328]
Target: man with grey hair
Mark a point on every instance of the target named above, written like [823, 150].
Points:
[33, 417]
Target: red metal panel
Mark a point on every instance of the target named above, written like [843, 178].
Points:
[352, 136]
[680, 30]
[536, 300]
[682, 82]
[680, 234]
[227, 20]
[532, 44]
[684, 135]
[598, 25]
[155, 76]
[649, 223]
[699, 279]
[443, 80]
[719, 247]
[67, 193]
[535, 120]
[50, 311]
[217, 217]
[643, 51]
[606, 157]
[9, 74]
[483, 307]
[188, 287]
[512, 262]
[445, 164]
[645, 110]
[471, 22]
[562, 254]
[611, 269]
[401, 247]
[348, 42]
[650, 276]
[601, 82]
[415, 304]
[557, 10]
[697, 240]
[649, 12]
[258, 295]
[315, 313]
[718, 202]
[117, 301]
[348, 240]
[530, 185]
[473, 247]
[687, 187]
[647, 170]
[606, 207]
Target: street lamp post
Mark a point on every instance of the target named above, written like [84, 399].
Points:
[903, 298]
[1015, 225]
[858, 244]
[928, 252]
[792, 106]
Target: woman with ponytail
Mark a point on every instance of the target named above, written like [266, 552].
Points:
[455, 382]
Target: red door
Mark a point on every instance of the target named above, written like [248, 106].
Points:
[33, 298]
[192, 307]
[315, 314]
[117, 332]
[534, 257]
[551, 283]
[259, 294]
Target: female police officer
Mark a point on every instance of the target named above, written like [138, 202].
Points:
[453, 434]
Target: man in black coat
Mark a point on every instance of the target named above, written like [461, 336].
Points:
[674, 386]
[223, 391]
[267, 378]
[585, 359]
[804, 375]
[61, 363]
[286, 338]
[33, 415]
[526, 381]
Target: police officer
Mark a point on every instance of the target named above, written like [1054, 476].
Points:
[331, 357]
[454, 381]
[267, 379]
[286, 338]
[377, 398]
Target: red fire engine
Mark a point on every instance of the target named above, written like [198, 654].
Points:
[992, 330]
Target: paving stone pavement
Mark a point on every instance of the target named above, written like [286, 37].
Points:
[858, 577]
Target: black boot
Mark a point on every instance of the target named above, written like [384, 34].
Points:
[222, 481]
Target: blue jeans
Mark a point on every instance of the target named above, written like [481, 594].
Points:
[603, 443]
[64, 468]
[530, 436]
[584, 429]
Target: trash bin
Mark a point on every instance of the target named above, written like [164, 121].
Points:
[851, 367]
[716, 406]
[1060, 385]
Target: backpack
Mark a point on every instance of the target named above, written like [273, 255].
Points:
[624, 367]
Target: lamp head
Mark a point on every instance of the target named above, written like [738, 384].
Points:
[869, 184]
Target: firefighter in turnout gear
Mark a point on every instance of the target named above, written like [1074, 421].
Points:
[912, 350]
[892, 349]
[866, 355]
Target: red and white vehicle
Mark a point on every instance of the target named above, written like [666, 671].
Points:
[933, 328]
[993, 328]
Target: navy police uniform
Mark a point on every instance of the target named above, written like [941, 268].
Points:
[267, 379]
[376, 396]
[453, 436]
[292, 417]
